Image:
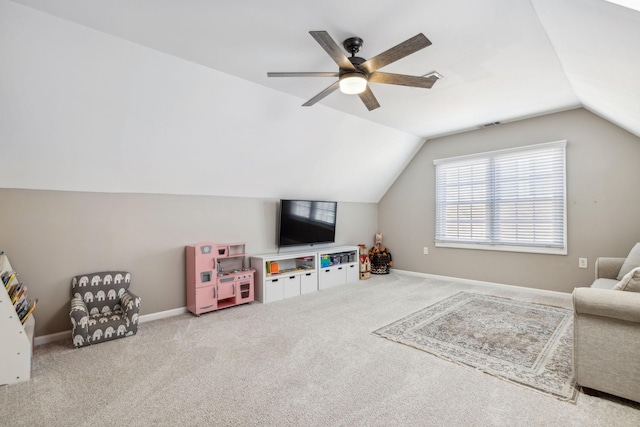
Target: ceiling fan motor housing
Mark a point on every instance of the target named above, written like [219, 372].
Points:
[353, 45]
[356, 61]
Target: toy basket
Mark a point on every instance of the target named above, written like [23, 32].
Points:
[380, 263]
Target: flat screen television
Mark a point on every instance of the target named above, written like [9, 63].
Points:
[306, 222]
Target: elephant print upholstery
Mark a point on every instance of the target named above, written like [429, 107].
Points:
[96, 318]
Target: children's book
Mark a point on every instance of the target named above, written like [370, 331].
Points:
[30, 310]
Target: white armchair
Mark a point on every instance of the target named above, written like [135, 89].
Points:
[607, 331]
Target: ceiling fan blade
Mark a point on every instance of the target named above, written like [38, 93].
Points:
[324, 39]
[405, 48]
[322, 94]
[304, 74]
[369, 99]
[402, 80]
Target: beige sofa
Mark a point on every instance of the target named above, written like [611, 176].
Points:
[606, 349]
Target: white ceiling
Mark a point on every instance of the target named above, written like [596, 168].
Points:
[502, 59]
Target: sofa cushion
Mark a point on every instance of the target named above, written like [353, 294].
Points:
[632, 261]
[604, 283]
[630, 282]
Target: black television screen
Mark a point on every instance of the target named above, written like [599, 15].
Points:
[305, 222]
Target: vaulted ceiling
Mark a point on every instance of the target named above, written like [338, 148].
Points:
[502, 60]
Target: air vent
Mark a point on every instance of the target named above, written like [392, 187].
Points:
[488, 125]
[435, 74]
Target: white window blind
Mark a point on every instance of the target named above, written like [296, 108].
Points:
[504, 200]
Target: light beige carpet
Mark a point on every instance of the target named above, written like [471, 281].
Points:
[305, 361]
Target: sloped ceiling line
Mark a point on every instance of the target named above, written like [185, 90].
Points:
[503, 60]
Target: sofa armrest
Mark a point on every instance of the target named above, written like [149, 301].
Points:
[131, 309]
[619, 305]
[608, 267]
[79, 315]
[78, 311]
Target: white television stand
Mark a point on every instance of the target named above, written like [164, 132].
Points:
[285, 275]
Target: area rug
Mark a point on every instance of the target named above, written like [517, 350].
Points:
[525, 343]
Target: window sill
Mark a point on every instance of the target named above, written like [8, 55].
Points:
[504, 248]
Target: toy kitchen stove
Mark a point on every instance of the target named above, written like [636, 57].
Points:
[217, 277]
[240, 280]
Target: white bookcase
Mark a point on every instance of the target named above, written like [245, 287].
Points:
[285, 275]
[16, 339]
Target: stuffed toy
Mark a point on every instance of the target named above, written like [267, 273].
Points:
[380, 257]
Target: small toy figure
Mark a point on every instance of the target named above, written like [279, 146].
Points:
[378, 240]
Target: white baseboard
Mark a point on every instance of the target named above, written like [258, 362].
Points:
[58, 336]
[162, 314]
[46, 339]
[472, 282]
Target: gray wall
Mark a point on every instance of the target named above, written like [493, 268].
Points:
[51, 236]
[603, 202]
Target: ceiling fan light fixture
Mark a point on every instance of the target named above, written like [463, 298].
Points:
[353, 83]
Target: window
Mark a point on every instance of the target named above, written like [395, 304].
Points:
[511, 200]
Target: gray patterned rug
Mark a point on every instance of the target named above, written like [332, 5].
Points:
[524, 343]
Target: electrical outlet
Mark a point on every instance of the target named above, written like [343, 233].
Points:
[582, 262]
[425, 250]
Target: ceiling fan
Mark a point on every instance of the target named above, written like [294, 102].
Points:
[355, 73]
